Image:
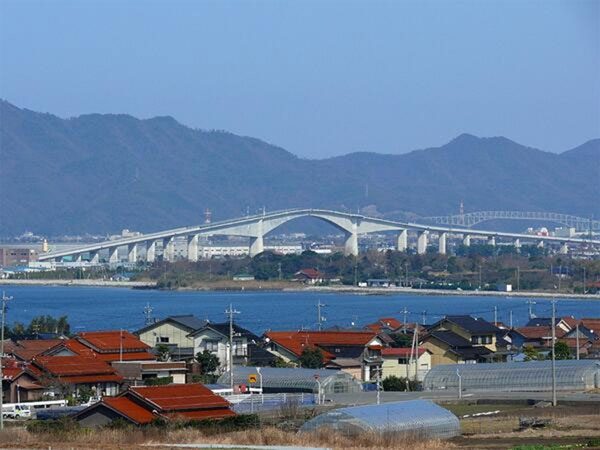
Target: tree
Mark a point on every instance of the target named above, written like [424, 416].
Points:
[280, 362]
[531, 354]
[402, 340]
[311, 358]
[561, 351]
[208, 361]
[163, 353]
[394, 383]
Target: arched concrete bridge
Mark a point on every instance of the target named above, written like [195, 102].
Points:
[256, 227]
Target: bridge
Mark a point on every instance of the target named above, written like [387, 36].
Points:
[474, 218]
[256, 227]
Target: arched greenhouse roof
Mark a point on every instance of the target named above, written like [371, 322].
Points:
[573, 375]
[277, 379]
[421, 418]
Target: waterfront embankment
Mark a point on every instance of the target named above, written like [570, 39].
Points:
[283, 286]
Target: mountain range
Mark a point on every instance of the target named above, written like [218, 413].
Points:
[99, 173]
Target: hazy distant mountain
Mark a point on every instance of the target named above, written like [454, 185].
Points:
[100, 173]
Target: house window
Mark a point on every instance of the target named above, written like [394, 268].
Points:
[211, 345]
[238, 348]
[162, 340]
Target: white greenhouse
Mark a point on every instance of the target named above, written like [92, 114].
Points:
[417, 418]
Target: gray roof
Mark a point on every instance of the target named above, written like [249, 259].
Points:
[188, 321]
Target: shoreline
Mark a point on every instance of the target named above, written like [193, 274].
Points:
[326, 289]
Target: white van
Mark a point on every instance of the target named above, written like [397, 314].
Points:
[16, 411]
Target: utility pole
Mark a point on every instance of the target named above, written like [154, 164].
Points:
[423, 314]
[378, 370]
[553, 352]
[495, 315]
[577, 339]
[4, 300]
[320, 317]
[531, 303]
[121, 346]
[405, 322]
[230, 312]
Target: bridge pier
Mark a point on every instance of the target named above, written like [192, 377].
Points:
[132, 253]
[422, 242]
[94, 257]
[78, 257]
[442, 243]
[564, 249]
[492, 241]
[540, 244]
[150, 251]
[113, 255]
[192, 247]
[403, 241]
[257, 246]
[351, 244]
[467, 240]
[168, 249]
[517, 245]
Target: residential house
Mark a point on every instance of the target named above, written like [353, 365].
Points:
[463, 339]
[143, 405]
[174, 332]
[566, 323]
[107, 346]
[26, 349]
[397, 362]
[18, 384]
[355, 352]
[310, 276]
[68, 374]
[137, 373]
[539, 336]
[214, 337]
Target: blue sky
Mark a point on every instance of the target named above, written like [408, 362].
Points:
[319, 78]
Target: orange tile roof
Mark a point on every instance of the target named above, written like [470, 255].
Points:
[391, 322]
[570, 321]
[129, 409]
[218, 413]
[76, 369]
[180, 397]
[9, 373]
[129, 354]
[540, 332]
[112, 341]
[297, 341]
[400, 351]
[26, 349]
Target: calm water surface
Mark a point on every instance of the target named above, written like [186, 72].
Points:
[92, 308]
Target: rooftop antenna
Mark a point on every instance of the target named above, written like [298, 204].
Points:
[148, 320]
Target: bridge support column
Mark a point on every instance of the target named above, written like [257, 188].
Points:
[132, 253]
[564, 249]
[150, 251]
[403, 241]
[78, 257]
[168, 249]
[422, 242]
[540, 244]
[518, 245]
[492, 241]
[192, 247]
[113, 255]
[257, 246]
[94, 257]
[442, 243]
[351, 244]
[467, 240]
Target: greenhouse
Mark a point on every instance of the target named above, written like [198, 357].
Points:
[294, 380]
[421, 418]
[571, 375]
